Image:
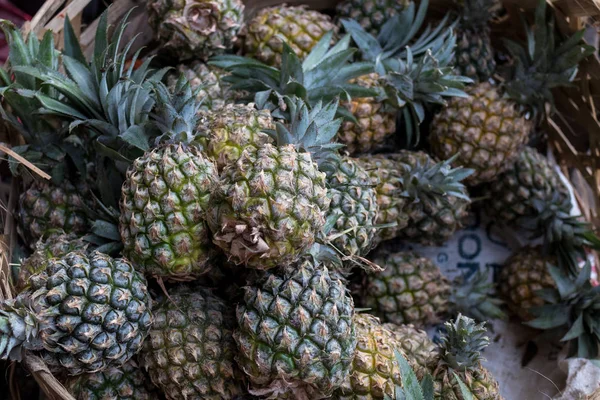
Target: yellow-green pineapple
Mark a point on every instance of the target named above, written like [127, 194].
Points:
[415, 344]
[298, 26]
[189, 353]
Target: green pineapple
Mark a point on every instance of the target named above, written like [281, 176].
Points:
[370, 14]
[229, 130]
[412, 290]
[127, 382]
[57, 244]
[190, 349]
[208, 83]
[165, 196]
[271, 204]
[353, 206]
[424, 200]
[46, 207]
[474, 53]
[488, 129]
[299, 27]
[459, 357]
[295, 334]
[189, 29]
[85, 313]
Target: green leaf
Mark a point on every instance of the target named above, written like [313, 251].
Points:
[551, 316]
[71, 45]
[409, 378]
[464, 390]
[427, 387]
[576, 330]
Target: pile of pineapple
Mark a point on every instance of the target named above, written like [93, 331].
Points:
[222, 221]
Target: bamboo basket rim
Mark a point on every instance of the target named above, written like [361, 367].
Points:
[583, 170]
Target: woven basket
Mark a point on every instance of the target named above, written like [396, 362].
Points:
[574, 130]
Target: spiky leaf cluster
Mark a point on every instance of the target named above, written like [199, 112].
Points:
[48, 146]
[463, 342]
[475, 296]
[108, 96]
[548, 61]
[323, 75]
[574, 304]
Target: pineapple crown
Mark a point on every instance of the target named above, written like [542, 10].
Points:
[310, 129]
[573, 304]
[324, 74]
[545, 63]
[475, 296]
[476, 14]
[47, 144]
[176, 112]
[108, 95]
[463, 343]
[410, 387]
[412, 75]
[426, 178]
[565, 235]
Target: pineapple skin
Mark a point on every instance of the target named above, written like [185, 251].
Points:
[532, 178]
[417, 346]
[127, 382]
[475, 54]
[295, 333]
[46, 207]
[268, 207]
[207, 81]
[375, 372]
[78, 294]
[55, 245]
[375, 124]
[371, 14]
[301, 28]
[163, 204]
[189, 353]
[486, 130]
[410, 290]
[354, 202]
[523, 274]
[192, 29]
[230, 129]
[478, 380]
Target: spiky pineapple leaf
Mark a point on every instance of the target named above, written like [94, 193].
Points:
[72, 48]
[464, 390]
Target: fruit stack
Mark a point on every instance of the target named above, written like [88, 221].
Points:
[222, 221]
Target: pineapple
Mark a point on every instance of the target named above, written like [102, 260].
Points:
[230, 129]
[189, 29]
[489, 128]
[375, 371]
[299, 27]
[165, 197]
[57, 244]
[189, 352]
[46, 207]
[531, 179]
[370, 14]
[523, 275]
[127, 382]
[412, 290]
[474, 53]
[459, 357]
[208, 81]
[87, 313]
[415, 343]
[271, 204]
[353, 206]
[425, 64]
[295, 332]
[424, 200]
